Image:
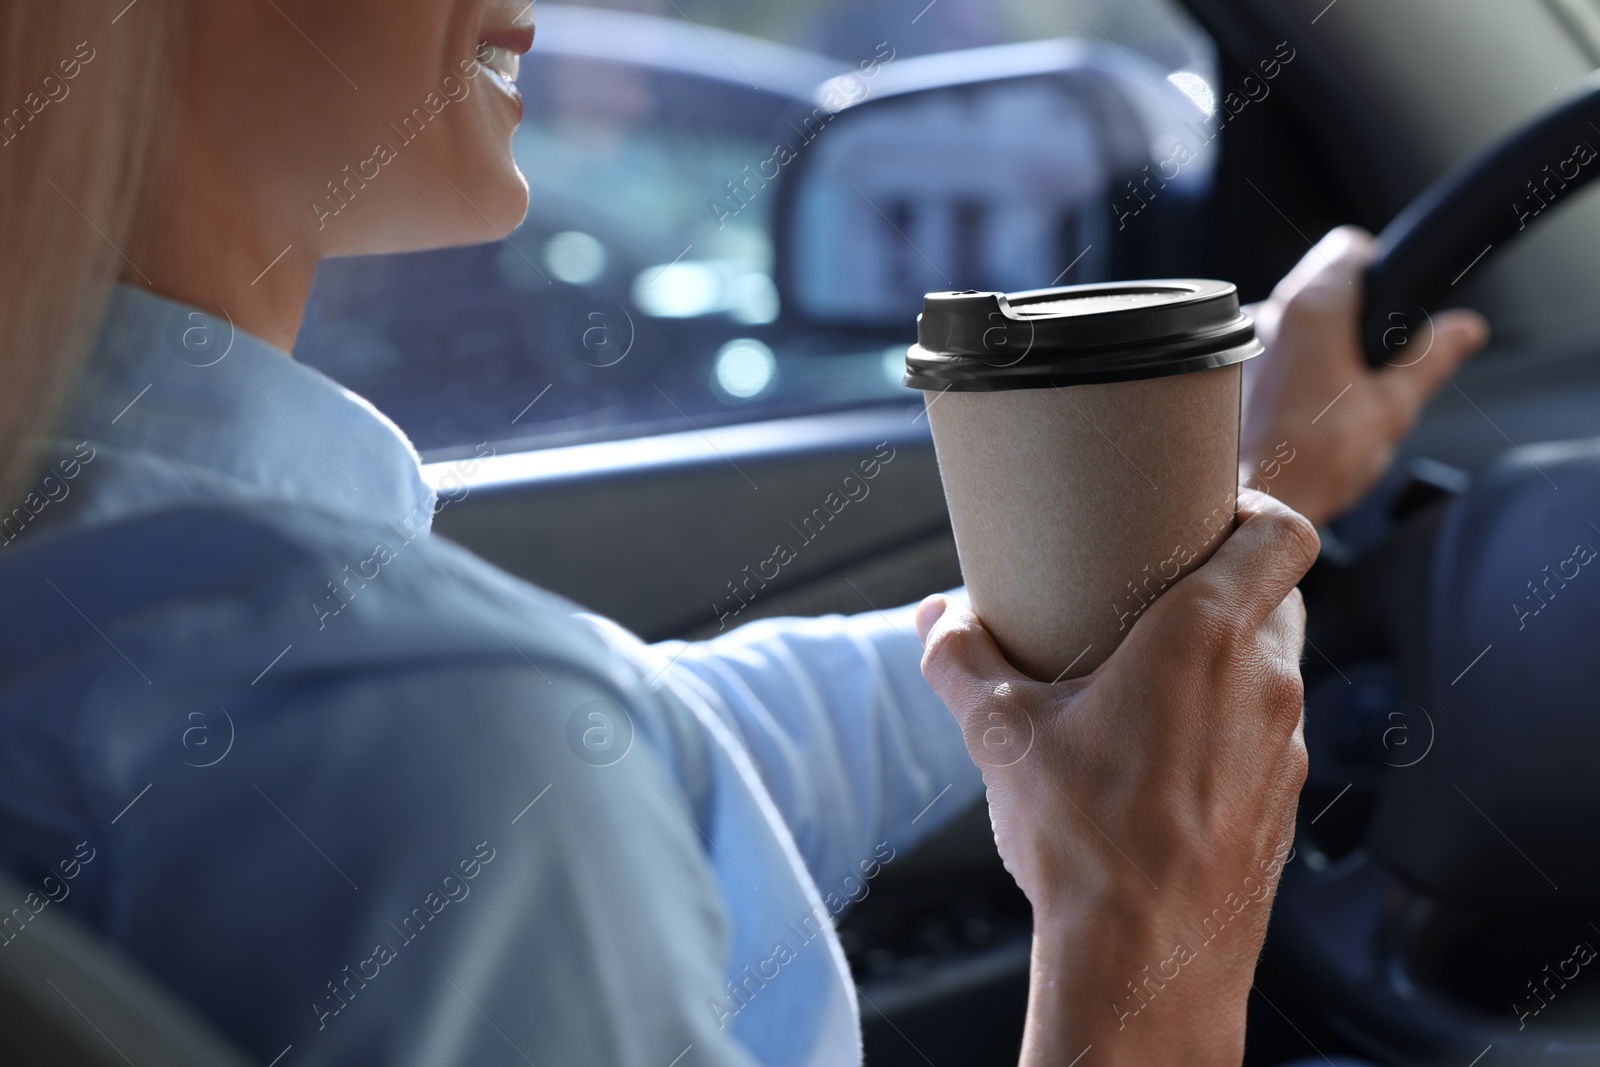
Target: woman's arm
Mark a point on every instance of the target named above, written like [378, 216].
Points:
[854, 747]
[1154, 809]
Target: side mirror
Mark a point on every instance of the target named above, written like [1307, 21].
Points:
[1005, 168]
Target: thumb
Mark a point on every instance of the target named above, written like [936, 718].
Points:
[960, 659]
[1413, 379]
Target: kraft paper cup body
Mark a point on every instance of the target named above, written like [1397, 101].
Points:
[1074, 507]
[1088, 438]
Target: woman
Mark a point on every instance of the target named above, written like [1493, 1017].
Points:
[378, 834]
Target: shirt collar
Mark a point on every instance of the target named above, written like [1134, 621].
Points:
[186, 387]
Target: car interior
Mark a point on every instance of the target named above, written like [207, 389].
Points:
[701, 326]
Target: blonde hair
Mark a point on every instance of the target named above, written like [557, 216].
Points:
[82, 87]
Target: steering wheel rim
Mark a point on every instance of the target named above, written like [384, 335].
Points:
[1471, 213]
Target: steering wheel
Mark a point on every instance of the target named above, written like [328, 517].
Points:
[1474, 210]
[1462, 919]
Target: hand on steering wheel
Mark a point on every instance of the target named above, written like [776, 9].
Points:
[1319, 427]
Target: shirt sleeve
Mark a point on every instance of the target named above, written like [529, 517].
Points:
[848, 738]
[425, 868]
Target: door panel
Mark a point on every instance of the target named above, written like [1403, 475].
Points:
[676, 536]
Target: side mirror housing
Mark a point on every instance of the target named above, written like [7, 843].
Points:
[1004, 168]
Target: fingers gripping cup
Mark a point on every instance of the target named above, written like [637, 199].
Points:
[1088, 438]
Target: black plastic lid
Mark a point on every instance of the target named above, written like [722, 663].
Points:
[1077, 335]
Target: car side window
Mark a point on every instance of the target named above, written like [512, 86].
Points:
[694, 255]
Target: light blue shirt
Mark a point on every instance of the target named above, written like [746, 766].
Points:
[362, 798]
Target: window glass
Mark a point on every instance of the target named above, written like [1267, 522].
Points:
[641, 293]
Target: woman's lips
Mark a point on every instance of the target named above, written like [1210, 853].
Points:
[498, 52]
[517, 40]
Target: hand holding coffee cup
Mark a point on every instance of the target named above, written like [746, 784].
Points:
[1088, 438]
[1167, 779]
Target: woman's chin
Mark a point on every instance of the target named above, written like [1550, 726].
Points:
[519, 199]
[469, 211]
[489, 204]
[509, 209]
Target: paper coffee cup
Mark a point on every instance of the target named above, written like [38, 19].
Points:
[1088, 438]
